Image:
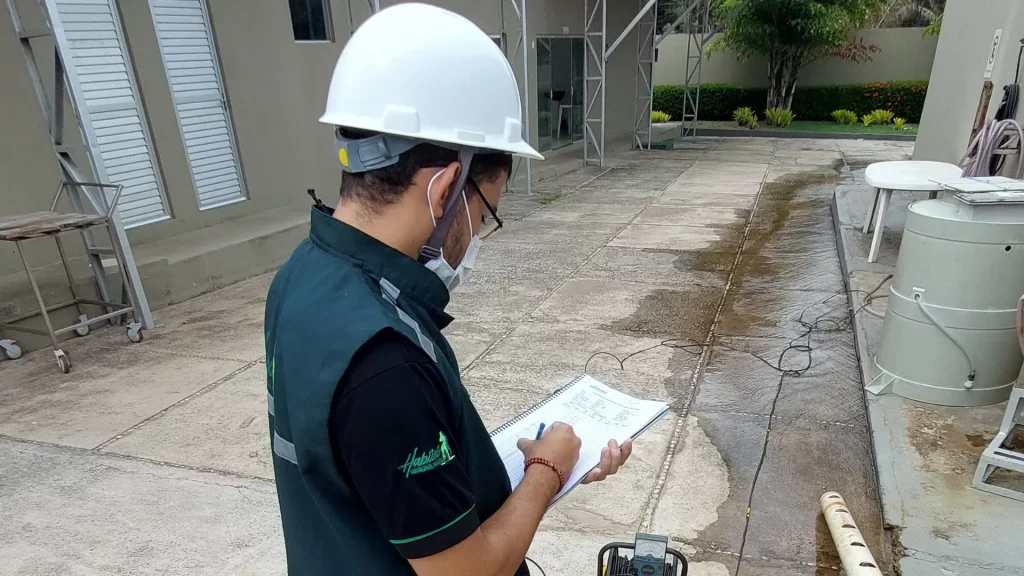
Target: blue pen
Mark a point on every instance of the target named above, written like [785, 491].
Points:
[540, 430]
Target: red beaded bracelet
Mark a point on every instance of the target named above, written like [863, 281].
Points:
[549, 464]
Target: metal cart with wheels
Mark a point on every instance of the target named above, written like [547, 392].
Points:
[52, 224]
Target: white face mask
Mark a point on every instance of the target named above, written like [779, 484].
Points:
[452, 278]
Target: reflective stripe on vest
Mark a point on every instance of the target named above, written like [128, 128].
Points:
[391, 293]
[284, 449]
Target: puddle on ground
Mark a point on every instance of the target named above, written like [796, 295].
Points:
[776, 208]
[950, 457]
[978, 440]
[685, 315]
[689, 311]
[943, 446]
[671, 314]
[698, 260]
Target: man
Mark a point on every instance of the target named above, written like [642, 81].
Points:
[383, 465]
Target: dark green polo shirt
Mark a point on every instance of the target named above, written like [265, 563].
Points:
[379, 454]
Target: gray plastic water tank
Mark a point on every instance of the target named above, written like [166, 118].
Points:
[950, 325]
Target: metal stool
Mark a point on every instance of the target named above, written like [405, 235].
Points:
[17, 229]
[996, 455]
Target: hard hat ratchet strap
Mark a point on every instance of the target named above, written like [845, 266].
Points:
[371, 153]
[432, 249]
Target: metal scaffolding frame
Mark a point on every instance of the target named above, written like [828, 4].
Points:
[522, 165]
[81, 198]
[697, 17]
[597, 51]
[643, 105]
[595, 33]
[595, 75]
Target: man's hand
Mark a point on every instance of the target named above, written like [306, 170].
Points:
[612, 457]
[498, 547]
[559, 445]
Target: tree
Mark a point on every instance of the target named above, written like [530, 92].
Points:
[792, 34]
[668, 11]
[909, 14]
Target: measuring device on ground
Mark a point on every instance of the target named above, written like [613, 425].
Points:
[650, 556]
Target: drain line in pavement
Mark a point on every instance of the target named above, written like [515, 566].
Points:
[698, 373]
[184, 400]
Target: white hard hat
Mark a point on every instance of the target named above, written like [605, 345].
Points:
[422, 72]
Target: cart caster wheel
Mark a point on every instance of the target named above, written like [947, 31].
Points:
[82, 330]
[11, 350]
[63, 361]
[134, 332]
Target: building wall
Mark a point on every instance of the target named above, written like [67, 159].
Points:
[958, 76]
[276, 90]
[275, 87]
[905, 54]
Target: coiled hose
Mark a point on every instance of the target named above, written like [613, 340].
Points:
[981, 158]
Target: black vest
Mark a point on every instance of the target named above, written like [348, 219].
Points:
[339, 288]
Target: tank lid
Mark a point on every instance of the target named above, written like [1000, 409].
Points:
[959, 222]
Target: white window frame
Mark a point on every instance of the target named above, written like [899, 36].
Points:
[232, 139]
[85, 112]
[328, 24]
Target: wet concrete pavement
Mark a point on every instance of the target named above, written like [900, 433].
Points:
[705, 275]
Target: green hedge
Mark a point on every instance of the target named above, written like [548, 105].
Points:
[717, 101]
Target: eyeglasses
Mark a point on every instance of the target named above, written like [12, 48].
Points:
[487, 227]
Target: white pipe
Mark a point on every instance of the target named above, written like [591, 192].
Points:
[853, 552]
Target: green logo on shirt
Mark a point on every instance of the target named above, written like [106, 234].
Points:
[418, 463]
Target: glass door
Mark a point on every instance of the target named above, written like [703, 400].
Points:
[545, 123]
[559, 91]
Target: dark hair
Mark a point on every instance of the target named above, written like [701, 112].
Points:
[386, 185]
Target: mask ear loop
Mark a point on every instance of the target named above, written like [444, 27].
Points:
[432, 249]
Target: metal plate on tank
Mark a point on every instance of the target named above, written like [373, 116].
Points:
[996, 197]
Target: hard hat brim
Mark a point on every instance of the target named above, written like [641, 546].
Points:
[521, 148]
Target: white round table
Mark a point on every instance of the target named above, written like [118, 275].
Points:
[909, 175]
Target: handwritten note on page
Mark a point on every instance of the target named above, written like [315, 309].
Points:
[597, 414]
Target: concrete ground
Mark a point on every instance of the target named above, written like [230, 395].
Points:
[707, 276]
[926, 454]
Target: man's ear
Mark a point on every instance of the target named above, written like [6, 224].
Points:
[438, 192]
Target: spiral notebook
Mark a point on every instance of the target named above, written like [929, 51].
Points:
[597, 414]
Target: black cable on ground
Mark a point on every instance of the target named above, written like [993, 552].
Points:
[811, 329]
[819, 324]
[757, 473]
